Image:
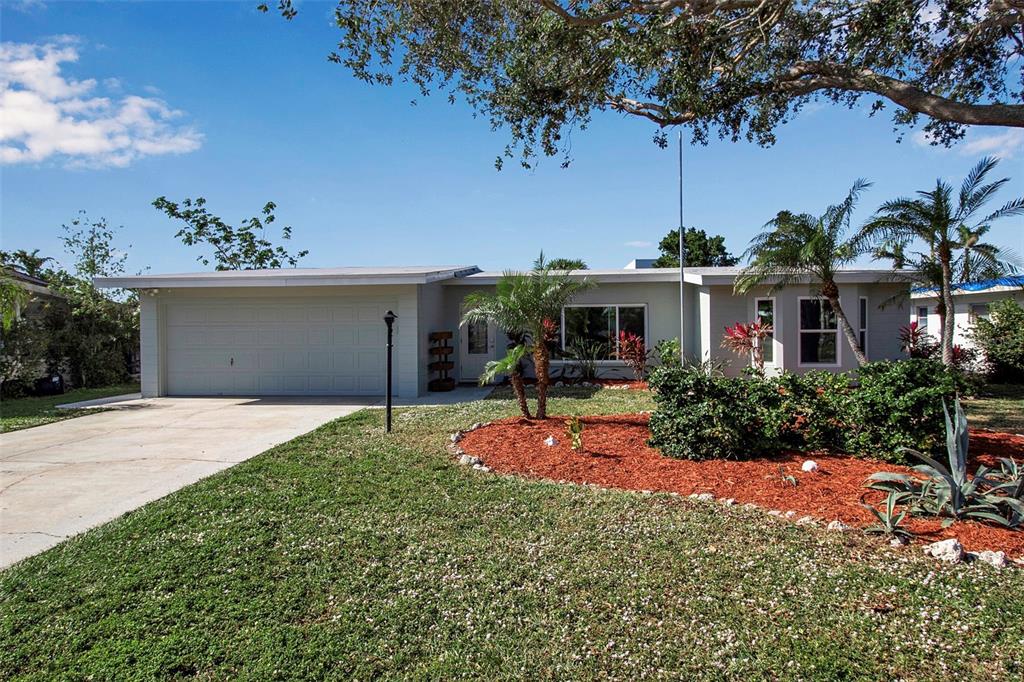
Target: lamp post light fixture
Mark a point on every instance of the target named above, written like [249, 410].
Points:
[389, 320]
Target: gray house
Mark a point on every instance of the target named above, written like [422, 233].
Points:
[320, 331]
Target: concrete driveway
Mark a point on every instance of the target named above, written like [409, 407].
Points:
[63, 478]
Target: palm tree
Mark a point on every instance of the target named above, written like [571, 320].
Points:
[526, 306]
[795, 247]
[951, 233]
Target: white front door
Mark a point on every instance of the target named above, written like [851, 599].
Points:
[476, 349]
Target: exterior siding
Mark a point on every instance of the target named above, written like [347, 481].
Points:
[151, 364]
[962, 312]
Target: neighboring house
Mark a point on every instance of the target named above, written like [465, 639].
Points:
[39, 292]
[320, 331]
[971, 300]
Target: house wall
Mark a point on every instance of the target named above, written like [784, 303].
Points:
[887, 312]
[406, 369]
[432, 317]
[962, 312]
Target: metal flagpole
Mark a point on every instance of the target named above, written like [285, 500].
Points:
[682, 258]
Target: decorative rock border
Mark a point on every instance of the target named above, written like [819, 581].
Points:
[948, 551]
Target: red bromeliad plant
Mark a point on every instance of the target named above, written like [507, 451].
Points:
[747, 340]
[916, 342]
[633, 351]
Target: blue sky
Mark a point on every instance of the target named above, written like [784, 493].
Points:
[217, 100]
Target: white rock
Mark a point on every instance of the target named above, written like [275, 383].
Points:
[476, 426]
[550, 441]
[468, 460]
[775, 512]
[807, 521]
[809, 467]
[790, 514]
[837, 525]
[705, 497]
[897, 541]
[559, 384]
[750, 506]
[457, 436]
[728, 501]
[481, 467]
[997, 559]
[949, 551]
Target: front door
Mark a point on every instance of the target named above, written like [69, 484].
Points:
[476, 349]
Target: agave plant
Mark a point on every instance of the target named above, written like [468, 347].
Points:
[946, 490]
[889, 520]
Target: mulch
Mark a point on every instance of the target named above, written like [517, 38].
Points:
[616, 454]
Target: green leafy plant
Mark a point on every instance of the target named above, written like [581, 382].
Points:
[890, 521]
[1001, 340]
[574, 429]
[788, 479]
[669, 352]
[584, 355]
[511, 366]
[947, 490]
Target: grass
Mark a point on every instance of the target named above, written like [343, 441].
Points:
[999, 407]
[347, 553]
[24, 413]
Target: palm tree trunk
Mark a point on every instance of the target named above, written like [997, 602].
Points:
[520, 390]
[948, 319]
[848, 332]
[541, 366]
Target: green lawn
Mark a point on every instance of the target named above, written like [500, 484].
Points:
[999, 407]
[347, 554]
[24, 413]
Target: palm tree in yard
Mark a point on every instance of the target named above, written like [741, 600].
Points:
[951, 231]
[797, 247]
[527, 307]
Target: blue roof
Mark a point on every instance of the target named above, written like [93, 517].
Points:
[982, 285]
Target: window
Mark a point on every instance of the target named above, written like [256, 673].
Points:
[602, 324]
[862, 337]
[978, 310]
[922, 317]
[764, 312]
[819, 333]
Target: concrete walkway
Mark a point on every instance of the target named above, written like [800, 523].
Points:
[60, 479]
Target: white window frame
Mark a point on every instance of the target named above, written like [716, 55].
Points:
[775, 333]
[920, 317]
[800, 337]
[973, 317]
[609, 362]
[863, 323]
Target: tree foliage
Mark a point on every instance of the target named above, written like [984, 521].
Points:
[567, 264]
[245, 247]
[1001, 339]
[795, 247]
[948, 228]
[732, 68]
[702, 251]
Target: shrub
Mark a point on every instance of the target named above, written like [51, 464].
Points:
[898, 404]
[669, 352]
[703, 416]
[633, 351]
[1001, 340]
[708, 416]
[747, 341]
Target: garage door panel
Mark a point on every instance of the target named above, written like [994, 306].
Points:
[274, 348]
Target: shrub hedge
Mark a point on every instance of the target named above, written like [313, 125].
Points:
[873, 411]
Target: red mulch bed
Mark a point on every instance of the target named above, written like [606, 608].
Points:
[617, 456]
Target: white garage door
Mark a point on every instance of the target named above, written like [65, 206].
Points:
[276, 347]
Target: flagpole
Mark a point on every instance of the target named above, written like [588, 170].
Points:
[682, 258]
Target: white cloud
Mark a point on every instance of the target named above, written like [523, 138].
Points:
[639, 244]
[45, 114]
[1002, 145]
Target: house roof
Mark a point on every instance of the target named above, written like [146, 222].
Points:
[285, 277]
[31, 283]
[699, 276]
[999, 284]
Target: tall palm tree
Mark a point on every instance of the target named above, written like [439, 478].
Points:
[951, 232]
[525, 306]
[799, 246]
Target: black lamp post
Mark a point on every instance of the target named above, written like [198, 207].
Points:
[389, 320]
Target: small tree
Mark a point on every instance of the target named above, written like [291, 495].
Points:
[527, 304]
[245, 247]
[747, 341]
[1001, 339]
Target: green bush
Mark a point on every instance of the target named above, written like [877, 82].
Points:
[899, 405]
[1001, 340]
[896, 405]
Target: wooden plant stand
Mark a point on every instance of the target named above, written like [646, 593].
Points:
[441, 362]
